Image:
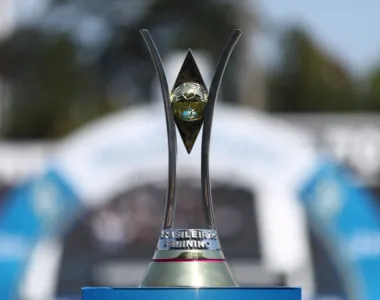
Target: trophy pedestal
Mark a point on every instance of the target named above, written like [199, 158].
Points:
[235, 293]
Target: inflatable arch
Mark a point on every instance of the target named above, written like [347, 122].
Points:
[247, 148]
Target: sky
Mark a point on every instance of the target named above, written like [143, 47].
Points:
[28, 9]
[347, 29]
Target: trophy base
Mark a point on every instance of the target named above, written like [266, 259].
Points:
[193, 274]
[279, 293]
[188, 268]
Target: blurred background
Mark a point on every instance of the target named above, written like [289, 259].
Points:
[295, 154]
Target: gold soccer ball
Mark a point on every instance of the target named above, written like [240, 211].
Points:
[188, 101]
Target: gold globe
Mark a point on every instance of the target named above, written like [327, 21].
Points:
[188, 101]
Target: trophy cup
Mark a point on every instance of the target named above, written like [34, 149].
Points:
[189, 263]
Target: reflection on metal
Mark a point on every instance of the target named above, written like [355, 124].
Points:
[188, 102]
[206, 138]
[170, 128]
[189, 257]
[123, 274]
[189, 98]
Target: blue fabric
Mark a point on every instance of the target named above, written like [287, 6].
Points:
[40, 208]
[346, 218]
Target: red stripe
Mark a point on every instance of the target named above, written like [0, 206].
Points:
[188, 260]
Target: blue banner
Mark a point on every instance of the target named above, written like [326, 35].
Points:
[36, 210]
[342, 211]
[347, 219]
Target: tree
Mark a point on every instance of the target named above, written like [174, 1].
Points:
[372, 91]
[309, 80]
[83, 56]
[47, 85]
[173, 24]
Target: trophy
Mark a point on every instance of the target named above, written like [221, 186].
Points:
[189, 263]
[189, 257]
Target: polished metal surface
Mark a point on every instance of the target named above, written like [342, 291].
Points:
[189, 274]
[189, 257]
[188, 101]
[188, 239]
[121, 273]
[189, 98]
[188, 254]
[170, 128]
[189, 72]
[206, 138]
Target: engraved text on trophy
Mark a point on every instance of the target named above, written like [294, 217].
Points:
[188, 239]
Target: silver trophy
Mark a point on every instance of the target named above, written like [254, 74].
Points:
[189, 257]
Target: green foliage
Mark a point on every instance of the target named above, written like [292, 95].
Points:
[308, 80]
[47, 85]
[60, 81]
[372, 92]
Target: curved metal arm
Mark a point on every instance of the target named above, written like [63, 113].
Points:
[170, 128]
[208, 115]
